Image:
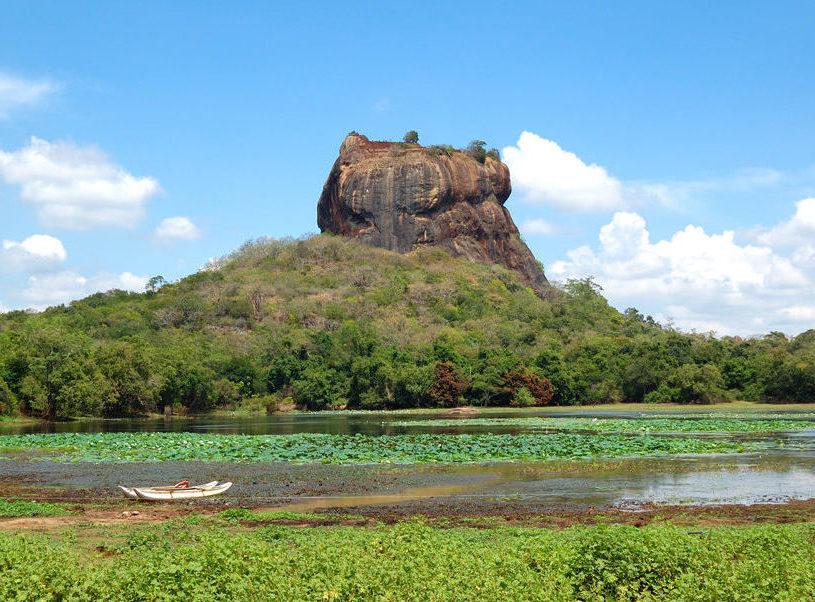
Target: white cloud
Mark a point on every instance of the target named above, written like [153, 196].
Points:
[800, 312]
[36, 253]
[686, 196]
[76, 187]
[16, 92]
[798, 230]
[61, 287]
[702, 281]
[176, 228]
[543, 173]
[538, 226]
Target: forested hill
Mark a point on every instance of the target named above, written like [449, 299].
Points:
[331, 323]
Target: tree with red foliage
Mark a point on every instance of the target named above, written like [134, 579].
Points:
[449, 386]
[519, 377]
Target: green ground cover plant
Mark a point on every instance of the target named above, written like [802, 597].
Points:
[411, 561]
[626, 425]
[359, 449]
[14, 508]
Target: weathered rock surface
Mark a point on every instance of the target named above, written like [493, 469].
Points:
[402, 197]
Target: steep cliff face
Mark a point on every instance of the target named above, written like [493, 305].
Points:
[403, 197]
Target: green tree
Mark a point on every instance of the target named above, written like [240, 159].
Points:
[189, 384]
[8, 400]
[134, 385]
[282, 371]
[57, 377]
[523, 399]
[320, 387]
[155, 283]
[243, 373]
[476, 150]
[697, 384]
[564, 389]
[411, 137]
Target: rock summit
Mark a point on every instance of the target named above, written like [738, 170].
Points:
[403, 197]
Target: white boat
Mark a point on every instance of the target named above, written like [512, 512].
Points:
[179, 491]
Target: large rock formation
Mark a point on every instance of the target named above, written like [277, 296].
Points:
[404, 196]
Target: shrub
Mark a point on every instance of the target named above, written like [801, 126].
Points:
[623, 563]
[662, 394]
[439, 150]
[522, 399]
[476, 150]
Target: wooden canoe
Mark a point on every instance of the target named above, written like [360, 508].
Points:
[175, 492]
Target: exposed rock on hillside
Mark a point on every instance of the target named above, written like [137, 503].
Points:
[404, 196]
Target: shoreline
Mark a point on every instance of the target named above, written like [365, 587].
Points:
[458, 412]
[555, 517]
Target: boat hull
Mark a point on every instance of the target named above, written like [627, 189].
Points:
[130, 492]
[161, 494]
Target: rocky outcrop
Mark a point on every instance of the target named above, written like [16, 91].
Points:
[404, 196]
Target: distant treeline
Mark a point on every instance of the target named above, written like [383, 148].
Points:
[325, 322]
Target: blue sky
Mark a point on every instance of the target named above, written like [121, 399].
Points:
[665, 149]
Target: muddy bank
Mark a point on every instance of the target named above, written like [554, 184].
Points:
[447, 489]
[124, 514]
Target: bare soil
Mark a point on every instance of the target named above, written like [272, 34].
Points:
[560, 517]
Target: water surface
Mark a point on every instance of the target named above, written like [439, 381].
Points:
[784, 472]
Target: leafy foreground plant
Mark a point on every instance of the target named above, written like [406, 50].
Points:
[22, 508]
[359, 449]
[411, 561]
[626, 425]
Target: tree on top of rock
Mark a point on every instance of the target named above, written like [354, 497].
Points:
[476, 149]
[411, 137]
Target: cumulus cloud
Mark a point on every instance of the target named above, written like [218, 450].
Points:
[16, 92]
[76, 187]
[701, 281]
[538, 226]
[176, 228]
[36, 253]
[544, 173]
[798, 230]
[61, 287]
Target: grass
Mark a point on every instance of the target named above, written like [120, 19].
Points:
[360, 449]
[191, 559]
[250, 516]
[20, 508]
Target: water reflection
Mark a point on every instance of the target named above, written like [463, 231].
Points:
[750, 479]
[373, 423]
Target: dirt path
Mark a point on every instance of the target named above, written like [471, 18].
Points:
[511, 515]
[97, 516]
